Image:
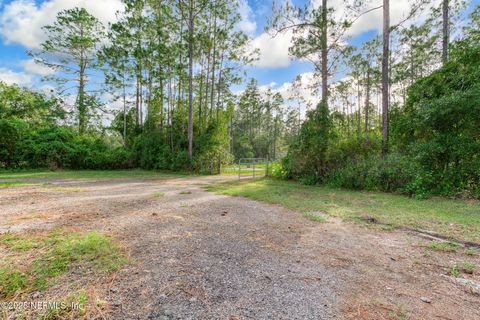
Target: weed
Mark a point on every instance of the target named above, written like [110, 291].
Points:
[73, 306]
[158, 194]
[454, 271]
[12, 281]
[468, 267]
[6, 184]
[398, 314]
[314, 216]
[471, 251]
[443, 246]
[57, 252]
[186, 192]
[17, 243]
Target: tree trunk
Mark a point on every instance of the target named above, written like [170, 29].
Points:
[385, 75]
[275, 139]
[219, 84]
[124, 111]
[200, 94]
[82, 109]
[190, 81]
[137, 102]
[324, 53]
[359, 98]
[207, 72]
[213, 64]
[367, 100]
[446, 31]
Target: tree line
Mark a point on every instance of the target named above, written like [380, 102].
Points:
[420, 136]
[169, 66]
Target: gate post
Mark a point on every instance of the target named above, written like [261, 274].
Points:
[266, 168]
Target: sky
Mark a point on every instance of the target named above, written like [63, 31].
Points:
[21, 22]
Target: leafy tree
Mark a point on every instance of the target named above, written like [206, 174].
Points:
[70, 49]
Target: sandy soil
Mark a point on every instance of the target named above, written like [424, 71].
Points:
[199, 255]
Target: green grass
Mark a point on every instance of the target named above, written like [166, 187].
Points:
[469, 267]
[6, 184]
[95, 174]
[453, 218]
[471, 251]
[12, 281]
[18, 243]
[443, 246]
[78, 299]
[53, 255]
[458, 269]
[314, 217]
[186, 192]
[158, 194]
[454, 271]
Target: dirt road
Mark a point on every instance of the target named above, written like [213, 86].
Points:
[198, 255]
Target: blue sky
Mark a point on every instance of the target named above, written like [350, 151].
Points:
[20, 22]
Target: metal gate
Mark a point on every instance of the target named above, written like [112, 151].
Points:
[252, 168]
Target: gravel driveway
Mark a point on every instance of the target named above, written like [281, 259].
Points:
[198, 255]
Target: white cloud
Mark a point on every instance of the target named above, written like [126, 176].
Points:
[304, 88]
[399, 10]
[11, 77]
[46, 88]
[246, 24]
[303, 91]
[31, 66]
[273, 50]
[21, 21]
[264, 88]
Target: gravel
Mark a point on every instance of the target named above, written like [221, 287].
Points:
[207, 256]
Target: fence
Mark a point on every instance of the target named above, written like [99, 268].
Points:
[252, 168]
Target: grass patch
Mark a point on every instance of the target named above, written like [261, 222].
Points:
[460, 268]
[471, 251]
[12, 281]
[457, 219]
[53, 255]
[314, 217]
[6, 184]
[443, 246]
[469, 267]
[73, 306]
[90, 174]
[158, 194]
[454, 271]
[186, 192]
[15, 242]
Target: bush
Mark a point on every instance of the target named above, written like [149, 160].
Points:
[307, 154]
[12, 133]
[394, 174]
[152, 153]
[57, 147]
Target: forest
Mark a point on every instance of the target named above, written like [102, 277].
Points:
[398, 113]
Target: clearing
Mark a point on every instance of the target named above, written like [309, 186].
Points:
[142, 245]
